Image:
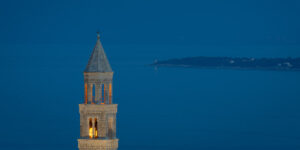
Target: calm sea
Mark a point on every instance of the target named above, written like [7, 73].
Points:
[159, 109]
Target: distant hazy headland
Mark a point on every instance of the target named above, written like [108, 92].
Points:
[292, 64]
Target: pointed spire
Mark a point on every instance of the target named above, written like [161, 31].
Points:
[98, 61]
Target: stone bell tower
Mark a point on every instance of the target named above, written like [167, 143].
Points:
[98, 112]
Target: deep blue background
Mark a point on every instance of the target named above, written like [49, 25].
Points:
[45, 46]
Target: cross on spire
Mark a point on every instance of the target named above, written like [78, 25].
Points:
[98, 35]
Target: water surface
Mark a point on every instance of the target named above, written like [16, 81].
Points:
[163, 109]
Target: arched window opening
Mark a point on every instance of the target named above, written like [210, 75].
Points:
[110, 93]
[85, 93]
[93, 94]
[96, 128]
[90, 128]
[110, 127]
[100, 94]
[103, 94]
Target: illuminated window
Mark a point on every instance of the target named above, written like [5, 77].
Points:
[96, 128]
[110, 94]
[90, 128]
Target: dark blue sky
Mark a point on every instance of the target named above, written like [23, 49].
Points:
[211, 22]
[45, 46]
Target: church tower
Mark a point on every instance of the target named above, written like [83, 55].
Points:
[98, 112]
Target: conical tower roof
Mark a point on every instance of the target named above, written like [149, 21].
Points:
[98, 61]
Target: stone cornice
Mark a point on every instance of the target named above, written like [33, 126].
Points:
[98, 108]
[98, 77]
[97, 143]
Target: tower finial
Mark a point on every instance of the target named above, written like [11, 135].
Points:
[98, 35]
